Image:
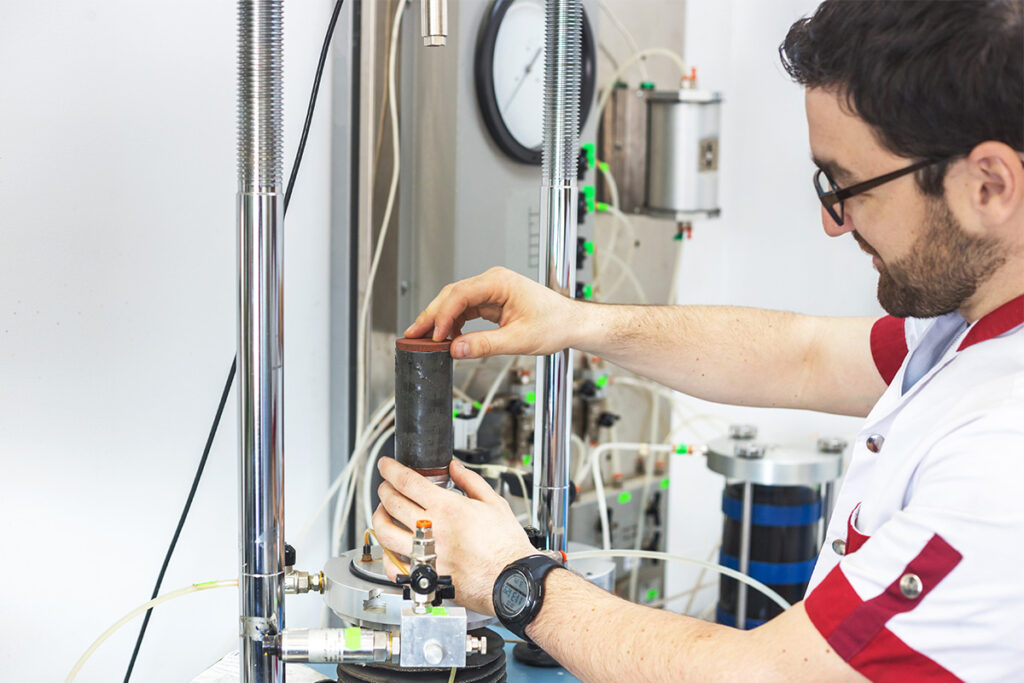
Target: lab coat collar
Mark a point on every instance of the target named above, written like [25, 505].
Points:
[996, 323]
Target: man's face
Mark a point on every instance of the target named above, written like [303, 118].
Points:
[927, 263]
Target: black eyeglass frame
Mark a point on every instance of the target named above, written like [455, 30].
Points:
[837, 195]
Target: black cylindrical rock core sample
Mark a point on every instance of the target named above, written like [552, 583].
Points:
[424, 435]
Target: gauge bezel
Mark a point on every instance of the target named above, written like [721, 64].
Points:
[483, 68]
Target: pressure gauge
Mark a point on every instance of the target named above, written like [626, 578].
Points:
[509, 71]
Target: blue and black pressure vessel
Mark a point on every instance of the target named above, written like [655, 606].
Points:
[783, 547]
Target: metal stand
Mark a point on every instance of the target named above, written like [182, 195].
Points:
[260, 342]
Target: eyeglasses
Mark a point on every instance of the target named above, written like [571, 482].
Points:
[832, 196]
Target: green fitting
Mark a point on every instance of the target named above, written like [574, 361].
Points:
[477, 405]
[603, 166]
[647, 85]
[531, 397]
[588, 291]
[678, 237]
[602, 381]
[588, 247]
[652, 595]
[591, 151]
[664, 484]
[455, 412]
[620, 84]
[600, 206]
[589, 194]
[527, 459]
[682, 449]
[625, 497]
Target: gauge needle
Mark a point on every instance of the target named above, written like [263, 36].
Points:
[529, 68]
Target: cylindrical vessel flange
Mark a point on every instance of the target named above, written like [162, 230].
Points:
[424, 434]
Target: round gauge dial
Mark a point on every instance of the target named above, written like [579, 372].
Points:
[513, 595]
[509, 72]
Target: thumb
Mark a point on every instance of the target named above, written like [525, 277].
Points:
[475, 486]
[495, 342]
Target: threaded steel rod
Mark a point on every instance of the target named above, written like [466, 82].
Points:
[563, 27]
[260, 217]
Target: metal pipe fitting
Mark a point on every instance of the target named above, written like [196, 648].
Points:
[562, 63]
[434, 22]
[424, 433]
[336, 645]
[297, 582]
[260, 215]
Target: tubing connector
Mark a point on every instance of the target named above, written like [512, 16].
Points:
[303, 582]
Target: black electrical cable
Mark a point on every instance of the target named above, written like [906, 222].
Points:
[234, 362]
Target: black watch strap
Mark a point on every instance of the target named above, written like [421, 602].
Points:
[536, 568]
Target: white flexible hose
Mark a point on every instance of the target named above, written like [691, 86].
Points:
[344, 503]
[625, 272]
[489, 398]
[382, 413]
[642, 54]
[625, 34]
[710, 566]
[160, 599]
[595, 466]
[371, 461]
[364, 313]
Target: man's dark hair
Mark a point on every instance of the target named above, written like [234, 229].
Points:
[933, 78]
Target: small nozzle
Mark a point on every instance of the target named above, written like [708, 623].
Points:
[434, 22]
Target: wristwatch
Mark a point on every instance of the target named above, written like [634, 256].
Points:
[518, 592]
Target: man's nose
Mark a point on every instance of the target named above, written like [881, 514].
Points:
[833, 229]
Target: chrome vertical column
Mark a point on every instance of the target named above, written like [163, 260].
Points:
[260, 215]
[562, 64]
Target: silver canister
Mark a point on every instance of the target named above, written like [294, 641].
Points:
[682, 154]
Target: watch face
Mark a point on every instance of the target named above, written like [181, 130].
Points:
[513, 594]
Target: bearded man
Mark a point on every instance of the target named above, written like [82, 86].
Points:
[915, 111]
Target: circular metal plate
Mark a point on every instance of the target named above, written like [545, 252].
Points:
[369, 603]
[782, 464]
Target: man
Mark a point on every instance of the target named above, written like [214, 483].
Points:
[916, 120]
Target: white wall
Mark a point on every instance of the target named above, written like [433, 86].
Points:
[117, 326]
[768, 248]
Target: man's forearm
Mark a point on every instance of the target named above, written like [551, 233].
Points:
[599, 637]
[740, 356]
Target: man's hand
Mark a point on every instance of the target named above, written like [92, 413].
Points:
[475, 535]
[533, 319]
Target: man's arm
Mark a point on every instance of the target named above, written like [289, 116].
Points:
[594, 634]
[741, 356]
[599, 637]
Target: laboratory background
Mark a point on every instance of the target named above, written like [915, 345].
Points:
[143, 169]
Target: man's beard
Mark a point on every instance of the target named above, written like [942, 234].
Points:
[944, 268]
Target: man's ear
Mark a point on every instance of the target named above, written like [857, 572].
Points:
[994, 182]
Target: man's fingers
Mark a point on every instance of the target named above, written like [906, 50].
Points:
[390, 535]
[472, 483]
[399, 507]
[485, 343]
[409, 483]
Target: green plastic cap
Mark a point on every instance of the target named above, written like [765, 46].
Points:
[602, 381]
[527, 459]
[531, 397]
[588, 291]
[603, 165]
[588, 247]
[664, 484]
[591, 151]
[647, 85]
[625, 497]
[588, 194]
[600, 206]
